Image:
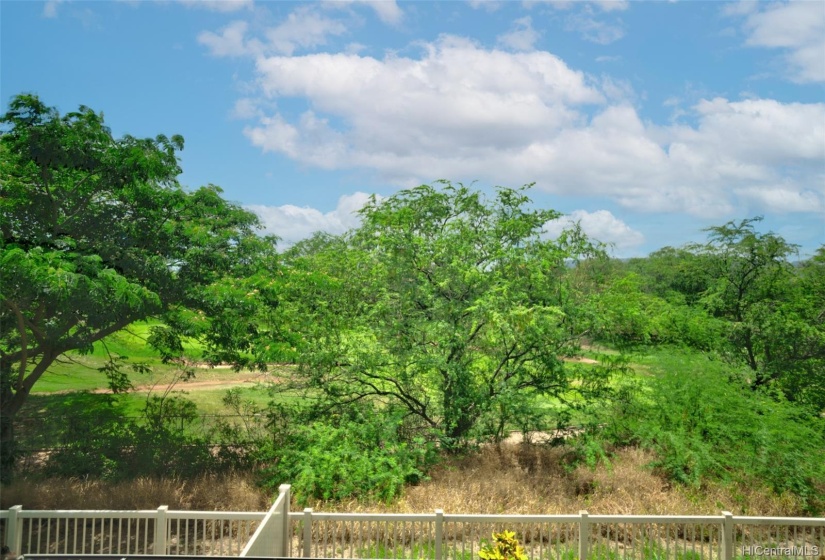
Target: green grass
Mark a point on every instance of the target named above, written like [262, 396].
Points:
[79, 372]
[382, 550]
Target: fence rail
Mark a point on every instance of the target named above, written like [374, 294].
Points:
[441, 536]
[108, 532]
[430, 536]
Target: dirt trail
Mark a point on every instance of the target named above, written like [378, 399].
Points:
[234, 378]
[231, 379]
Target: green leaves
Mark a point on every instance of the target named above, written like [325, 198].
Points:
[356, 455]
[97, 233]
[443, 302]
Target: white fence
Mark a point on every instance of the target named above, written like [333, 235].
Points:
[441, 536]
[433, 536]
[106, 532]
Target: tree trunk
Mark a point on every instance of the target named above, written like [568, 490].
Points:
[8, 451]
[12, 396]
[7, 413]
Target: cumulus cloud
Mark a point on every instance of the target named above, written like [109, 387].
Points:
[782, 199]
[293, 223]
[522, 36]
[796, 27]
[601, 225]
[461, 111]
[452, 103]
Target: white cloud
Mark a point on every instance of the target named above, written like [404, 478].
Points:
[219, 5]
[293, 223]
[50, 8]
[612, 5]
[588, 18]
[302, 29]
[464, 112]
[603, 5]
[486, 5]
[246, 108]
[593, 29]
[305, 28]
[740, 8]
[521, 37]
[601, 225]
[230, 41]
[760, 130]
[796, 27]
[387, 11]
[781, 199]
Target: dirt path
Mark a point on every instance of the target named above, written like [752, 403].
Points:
[234, 378]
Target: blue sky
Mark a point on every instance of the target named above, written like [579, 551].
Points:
[645, 121]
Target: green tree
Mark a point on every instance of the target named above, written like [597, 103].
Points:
[443, 302]
[97, 233]
[774, 310]
[750, 272]
[792, 335]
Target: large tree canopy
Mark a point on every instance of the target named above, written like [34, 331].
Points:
[97, 233]
[445, 303]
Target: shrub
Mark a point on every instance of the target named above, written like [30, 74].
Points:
[353, 455]
[97, 439]
[505, 546]
[707, 423]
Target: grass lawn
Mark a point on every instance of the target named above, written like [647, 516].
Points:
[53, 394]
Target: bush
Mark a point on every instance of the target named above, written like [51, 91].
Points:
[96, 439]
[353, 455]
[505, 546]
[707, 423]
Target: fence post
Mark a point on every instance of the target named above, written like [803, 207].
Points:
[307, 532]
[584, 534]
[439, 532]
[161, 531]
[286, 536]
[727, 535]
[14, 536]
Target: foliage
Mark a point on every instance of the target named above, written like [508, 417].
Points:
[704, 422]
[355, 455]
[738, 294]
[101, 441]
[626, 314]
[444, 303]
[505, 546]
[97, 234]
[775, 312]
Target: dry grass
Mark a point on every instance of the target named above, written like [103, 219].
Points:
[533, 480]
[229, 492]
[505, 479]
